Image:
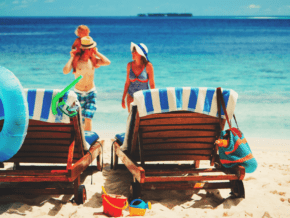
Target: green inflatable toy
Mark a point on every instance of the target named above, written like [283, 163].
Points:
[55, 100]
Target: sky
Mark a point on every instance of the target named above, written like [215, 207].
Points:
[134, 7]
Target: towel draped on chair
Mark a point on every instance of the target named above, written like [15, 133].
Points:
[199, 100]
[39, 105]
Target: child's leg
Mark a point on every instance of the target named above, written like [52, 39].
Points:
[94, 60]
[75, 62]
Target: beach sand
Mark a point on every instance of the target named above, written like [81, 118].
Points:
[267, 192]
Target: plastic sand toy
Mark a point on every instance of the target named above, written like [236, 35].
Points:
[138, 207]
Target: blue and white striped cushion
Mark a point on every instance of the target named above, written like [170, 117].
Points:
[39, 105]
[199, 100]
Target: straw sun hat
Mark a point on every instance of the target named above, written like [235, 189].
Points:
[87, 42]
[141, 49]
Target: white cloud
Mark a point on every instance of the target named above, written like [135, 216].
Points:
[254, 6]
[20, 4]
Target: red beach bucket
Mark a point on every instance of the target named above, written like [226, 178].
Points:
[114, 204]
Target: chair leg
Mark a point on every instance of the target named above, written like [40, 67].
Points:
[77, 183]
[100, 160]
[82, 195]
[135, 190]
[114, 158]
[237, 189]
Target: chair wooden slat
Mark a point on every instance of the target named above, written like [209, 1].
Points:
[36, 129]
[42, 160]
[48, 135]
[209, 127]
[179, 134]
[180, 140]
[176, 114]
[46, 142]
[176, 157]
[178, 152]
[178, 145]
[178, 121]
[42, 123]
[32, 154]
[43, 148]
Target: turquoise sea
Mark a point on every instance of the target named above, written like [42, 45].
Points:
[250, 55]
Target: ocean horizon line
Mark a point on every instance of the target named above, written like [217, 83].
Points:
[156, 17]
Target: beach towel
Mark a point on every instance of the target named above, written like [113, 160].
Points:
[199, 100]
[39, 105]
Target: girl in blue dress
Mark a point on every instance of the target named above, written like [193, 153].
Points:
[140, 73]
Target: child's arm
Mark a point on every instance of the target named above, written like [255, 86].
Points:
[76, 44]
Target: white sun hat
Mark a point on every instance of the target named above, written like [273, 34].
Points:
[87, 42]
[141, 49]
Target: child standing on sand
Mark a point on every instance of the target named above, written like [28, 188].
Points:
[81, 32]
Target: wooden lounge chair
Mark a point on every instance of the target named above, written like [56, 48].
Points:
[60, 145]
[182, 127]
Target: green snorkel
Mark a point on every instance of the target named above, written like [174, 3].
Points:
[56, 98]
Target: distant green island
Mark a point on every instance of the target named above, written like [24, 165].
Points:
[165, 15]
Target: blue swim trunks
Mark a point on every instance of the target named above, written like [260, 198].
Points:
[88, 102]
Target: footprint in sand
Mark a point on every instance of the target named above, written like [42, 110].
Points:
[249, 178]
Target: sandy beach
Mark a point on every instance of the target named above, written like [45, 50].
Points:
[267, 192]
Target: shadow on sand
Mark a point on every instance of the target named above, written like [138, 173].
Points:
[115, 182]
[118, 182]
[19, 204]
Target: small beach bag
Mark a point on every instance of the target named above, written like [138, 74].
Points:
[233, 147]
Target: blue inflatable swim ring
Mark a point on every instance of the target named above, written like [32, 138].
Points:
[14, 109]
